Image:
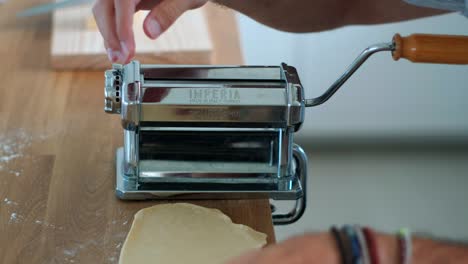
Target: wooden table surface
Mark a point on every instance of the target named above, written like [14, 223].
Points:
[57, 146]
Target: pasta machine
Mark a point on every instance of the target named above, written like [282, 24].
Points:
[218, 132]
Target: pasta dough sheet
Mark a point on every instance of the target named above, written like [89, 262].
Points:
[186, 233]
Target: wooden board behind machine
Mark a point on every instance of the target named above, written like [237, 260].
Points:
[77, 44]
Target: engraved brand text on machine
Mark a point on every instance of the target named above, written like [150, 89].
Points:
[214, 95]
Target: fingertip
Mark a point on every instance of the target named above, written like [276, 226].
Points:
[163, 15]
[112, 55]
[128, 51]
[117, 53]
[152, 27]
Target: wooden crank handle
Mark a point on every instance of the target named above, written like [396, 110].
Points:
[446, 49]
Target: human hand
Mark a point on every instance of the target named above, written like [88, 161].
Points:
[114, 19]
[306, 249]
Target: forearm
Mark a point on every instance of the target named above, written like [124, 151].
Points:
[319, 15]
[424, 251]
[292, 15]
[431, 251]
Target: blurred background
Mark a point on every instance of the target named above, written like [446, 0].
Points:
[390, 149]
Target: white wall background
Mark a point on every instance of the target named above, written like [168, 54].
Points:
[385, 187]
[384, 98]
[425, 191]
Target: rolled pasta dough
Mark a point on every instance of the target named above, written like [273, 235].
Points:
[186, 233]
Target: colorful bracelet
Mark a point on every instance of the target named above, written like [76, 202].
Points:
[404, 241]
[355, 246]
[362, 242]
[359, 245]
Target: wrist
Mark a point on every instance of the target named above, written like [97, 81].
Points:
[333, 254]
[388, 250]
[324, 248]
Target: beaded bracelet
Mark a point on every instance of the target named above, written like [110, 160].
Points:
[355, 245]
[404, 241]
[363, 243]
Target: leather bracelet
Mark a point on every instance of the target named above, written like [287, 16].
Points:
[347, 246]
[345, 256]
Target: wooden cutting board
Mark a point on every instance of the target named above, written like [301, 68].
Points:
[77, 44]
[57, 146]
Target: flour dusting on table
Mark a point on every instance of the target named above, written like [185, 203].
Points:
[15, 144]
[12, 146]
